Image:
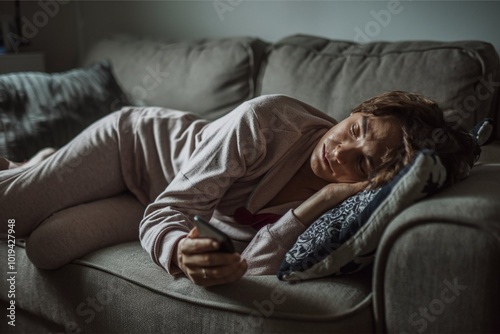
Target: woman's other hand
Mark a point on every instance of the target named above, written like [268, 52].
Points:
[203, 265]
[325, 199]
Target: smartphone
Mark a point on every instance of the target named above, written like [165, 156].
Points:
[209, 231]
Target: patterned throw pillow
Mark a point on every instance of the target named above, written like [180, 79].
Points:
[345, 238]
[39, 109]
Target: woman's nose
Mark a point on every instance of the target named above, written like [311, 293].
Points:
[343, 153]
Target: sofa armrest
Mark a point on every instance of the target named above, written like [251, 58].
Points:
[490, 153]
[437, 263]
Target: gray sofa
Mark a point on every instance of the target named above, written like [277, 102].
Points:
[436, 268]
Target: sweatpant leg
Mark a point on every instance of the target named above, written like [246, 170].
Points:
[86, 169]
[76, 231]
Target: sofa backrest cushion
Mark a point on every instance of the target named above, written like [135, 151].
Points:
[39, 110]
[209, 77]
[335, 76]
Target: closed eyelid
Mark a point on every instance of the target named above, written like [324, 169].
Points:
[368, 163]
[364, 125]
[355, 130]
[363, 171]
[359, 131]
[364, 129]
[352, 130]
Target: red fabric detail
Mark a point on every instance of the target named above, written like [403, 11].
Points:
[257, 221]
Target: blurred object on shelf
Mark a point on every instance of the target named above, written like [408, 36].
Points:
[8, 31]
[11, 34]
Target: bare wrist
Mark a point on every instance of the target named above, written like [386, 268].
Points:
[312, 208]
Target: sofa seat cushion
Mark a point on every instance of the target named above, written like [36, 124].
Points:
[335, 76]
[209, 77]
[118, 289]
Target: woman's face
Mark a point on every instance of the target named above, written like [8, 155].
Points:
[350, 150]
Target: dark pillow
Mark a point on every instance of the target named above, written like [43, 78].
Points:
[344, 239]
[39, 109]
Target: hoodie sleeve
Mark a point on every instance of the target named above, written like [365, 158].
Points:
[225, 149]
[267, 249]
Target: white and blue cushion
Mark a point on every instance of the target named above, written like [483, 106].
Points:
[345, 238]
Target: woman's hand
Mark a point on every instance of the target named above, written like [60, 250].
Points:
[325, 199]
[203, 265]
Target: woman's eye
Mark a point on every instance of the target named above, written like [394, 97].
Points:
[361, 169]
[353, 131]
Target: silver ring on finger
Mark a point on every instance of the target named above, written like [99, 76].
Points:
[204, 273]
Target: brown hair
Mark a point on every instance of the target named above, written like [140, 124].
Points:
[423, 127]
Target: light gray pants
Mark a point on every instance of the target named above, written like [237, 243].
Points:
[74, 202]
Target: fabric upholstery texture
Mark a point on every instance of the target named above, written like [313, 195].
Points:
[135, 296]
[29, 323]
[38, 110]
[207, 77]
[335, 76]
[450, 235]
[455, 272]
[490, 153]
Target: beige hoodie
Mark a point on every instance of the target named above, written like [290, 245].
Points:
[211, 169]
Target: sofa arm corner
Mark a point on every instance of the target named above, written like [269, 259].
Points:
[436, 268]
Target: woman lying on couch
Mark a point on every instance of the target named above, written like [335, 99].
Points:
[262, 174]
